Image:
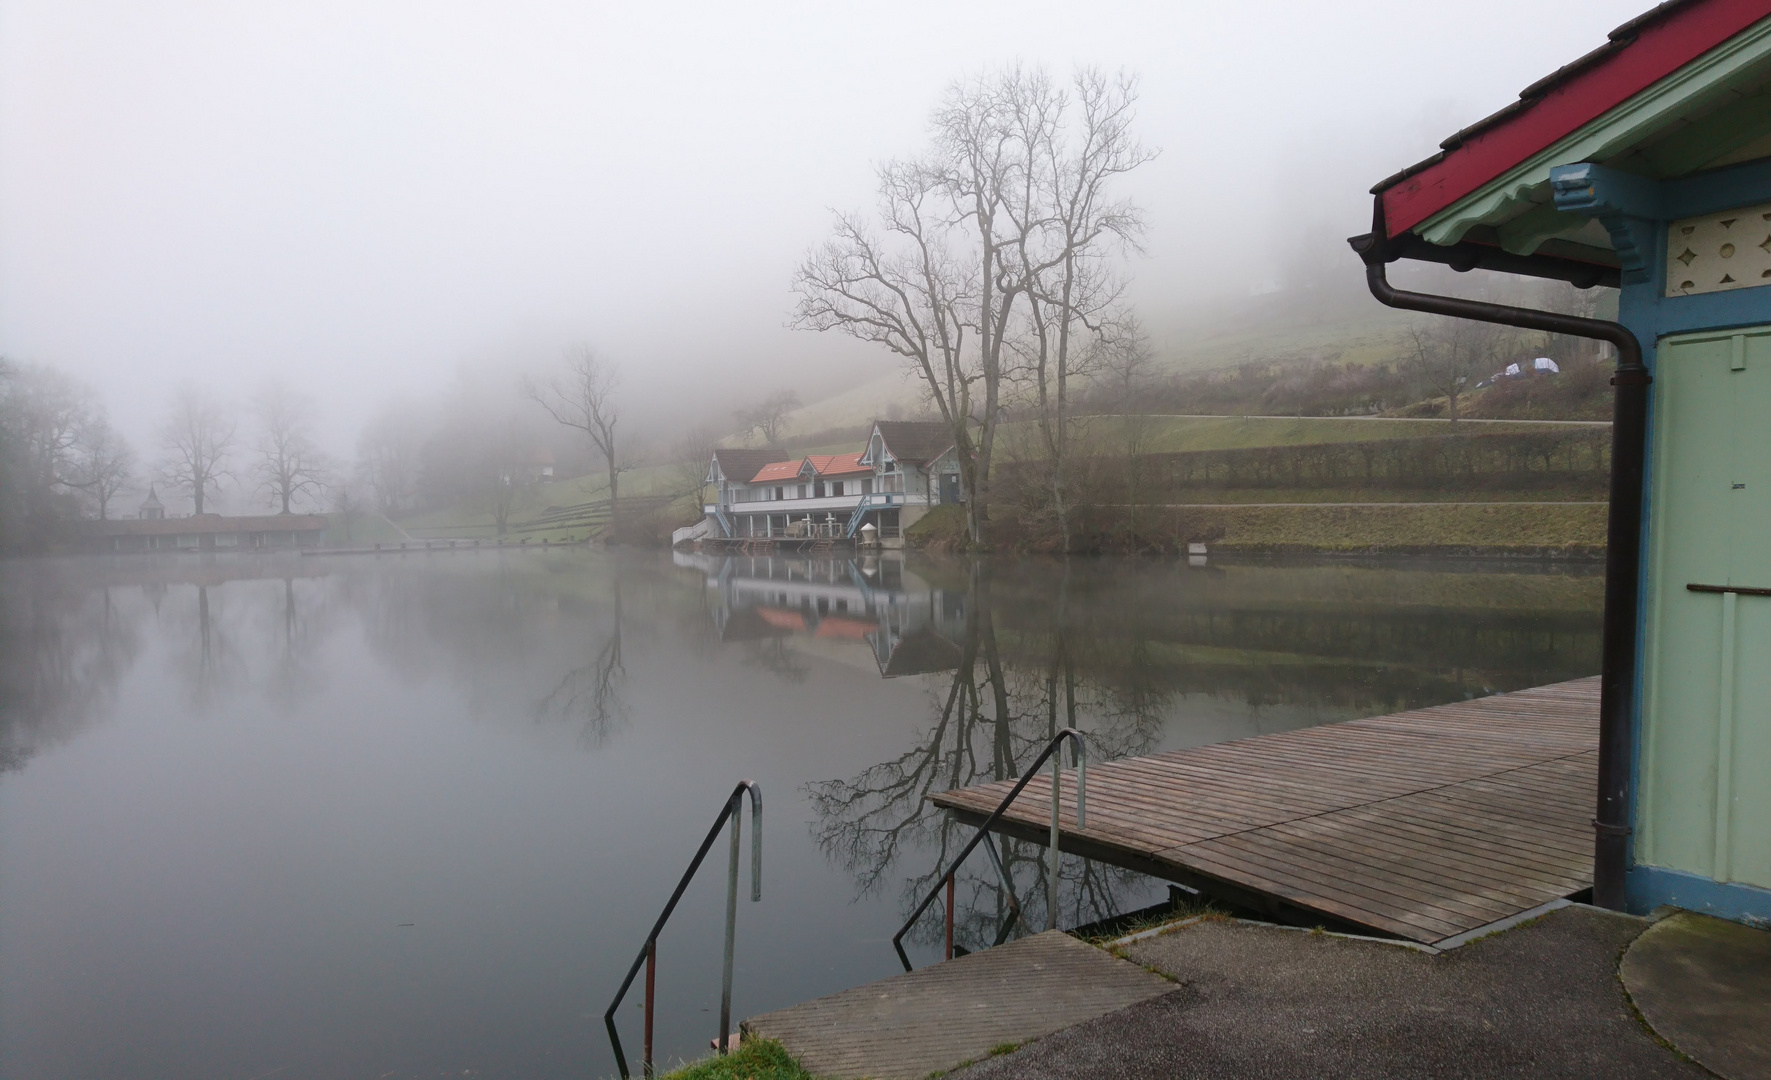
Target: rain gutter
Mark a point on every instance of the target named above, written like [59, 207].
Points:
[1623, 551]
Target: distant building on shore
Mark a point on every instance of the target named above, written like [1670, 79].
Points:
[905, 468]
[152, 530]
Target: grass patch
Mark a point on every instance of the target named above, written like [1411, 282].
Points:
[755, 1059]
[942, 527]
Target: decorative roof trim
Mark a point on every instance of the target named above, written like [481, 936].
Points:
[1609, 134]
[1642, 52]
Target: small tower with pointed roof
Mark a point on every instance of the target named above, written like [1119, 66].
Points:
[151, 508]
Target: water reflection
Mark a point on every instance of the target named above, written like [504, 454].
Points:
[214, 764]
[1126, 655]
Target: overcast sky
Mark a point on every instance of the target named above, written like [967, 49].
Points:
[367, 195]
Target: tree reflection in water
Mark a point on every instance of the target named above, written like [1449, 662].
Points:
[590, 694]
[993, 717]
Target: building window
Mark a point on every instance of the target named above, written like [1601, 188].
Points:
[817, 489]
[836, 488]
[867, 486]
[778, 494]
[802, 491]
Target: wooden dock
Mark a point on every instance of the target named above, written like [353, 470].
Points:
[1421, 825]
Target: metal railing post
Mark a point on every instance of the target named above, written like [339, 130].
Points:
[736, 809]
[648, 955]
[983, 833]
[651, 994]
[1051, 881]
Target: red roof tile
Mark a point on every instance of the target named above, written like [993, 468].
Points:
[777, 470]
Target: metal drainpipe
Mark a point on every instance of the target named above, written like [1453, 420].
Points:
[1629, 429]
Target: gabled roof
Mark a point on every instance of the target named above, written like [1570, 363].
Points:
[915, 441]
[739, 466]
[1685, 87]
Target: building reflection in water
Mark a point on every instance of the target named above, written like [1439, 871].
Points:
[912, 624]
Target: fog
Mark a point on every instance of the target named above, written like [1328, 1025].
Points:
[368, 197]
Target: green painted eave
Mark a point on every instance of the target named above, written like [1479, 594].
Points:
[1708, 113]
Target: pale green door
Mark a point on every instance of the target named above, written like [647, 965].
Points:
[1704, 801]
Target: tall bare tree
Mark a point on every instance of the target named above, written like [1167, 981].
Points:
[289, 463]
[1451, 355]
[388, 457]
[906, 291]
[582, 396]
[989, 242]
[1076, 228]
[103, 464]
[768, 417]
[196, 440]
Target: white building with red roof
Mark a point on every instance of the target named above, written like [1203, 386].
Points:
[905, 468]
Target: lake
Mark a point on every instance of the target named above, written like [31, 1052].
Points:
[413, 815]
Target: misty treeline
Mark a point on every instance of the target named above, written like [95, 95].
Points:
[60, 458]
[493, 434]
[994, 262]
[62, 461]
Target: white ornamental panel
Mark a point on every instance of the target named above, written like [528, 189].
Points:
[1717, 252]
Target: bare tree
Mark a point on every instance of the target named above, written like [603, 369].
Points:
[196, 439]
[44, 414]
[289, 464]
[1075, 227]
[345, 505]
[103, 464]
[906, 292]
[990, 251]
[692, 453]
[1451, 354]
[388, 457]
[768, 417]
[583, 397]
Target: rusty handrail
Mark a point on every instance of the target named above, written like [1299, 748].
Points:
[942, 882]
[649, 951]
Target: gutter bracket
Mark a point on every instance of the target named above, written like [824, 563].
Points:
[1627, 205]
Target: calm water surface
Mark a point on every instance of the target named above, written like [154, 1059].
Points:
[412, 817]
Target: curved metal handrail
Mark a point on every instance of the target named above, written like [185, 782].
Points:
[649, 951]
[1081, 749]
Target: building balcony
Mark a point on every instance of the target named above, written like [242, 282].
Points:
[840, 506]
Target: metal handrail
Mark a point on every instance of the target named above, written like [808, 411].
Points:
[946, 879]
[649, 951]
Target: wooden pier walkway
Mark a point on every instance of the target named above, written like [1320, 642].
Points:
[1421, 825]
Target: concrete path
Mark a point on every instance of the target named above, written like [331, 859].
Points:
[1704, 985]
[1255, 1001]
[941, 1016]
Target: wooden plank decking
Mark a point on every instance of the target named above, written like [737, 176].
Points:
[1422, 825]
